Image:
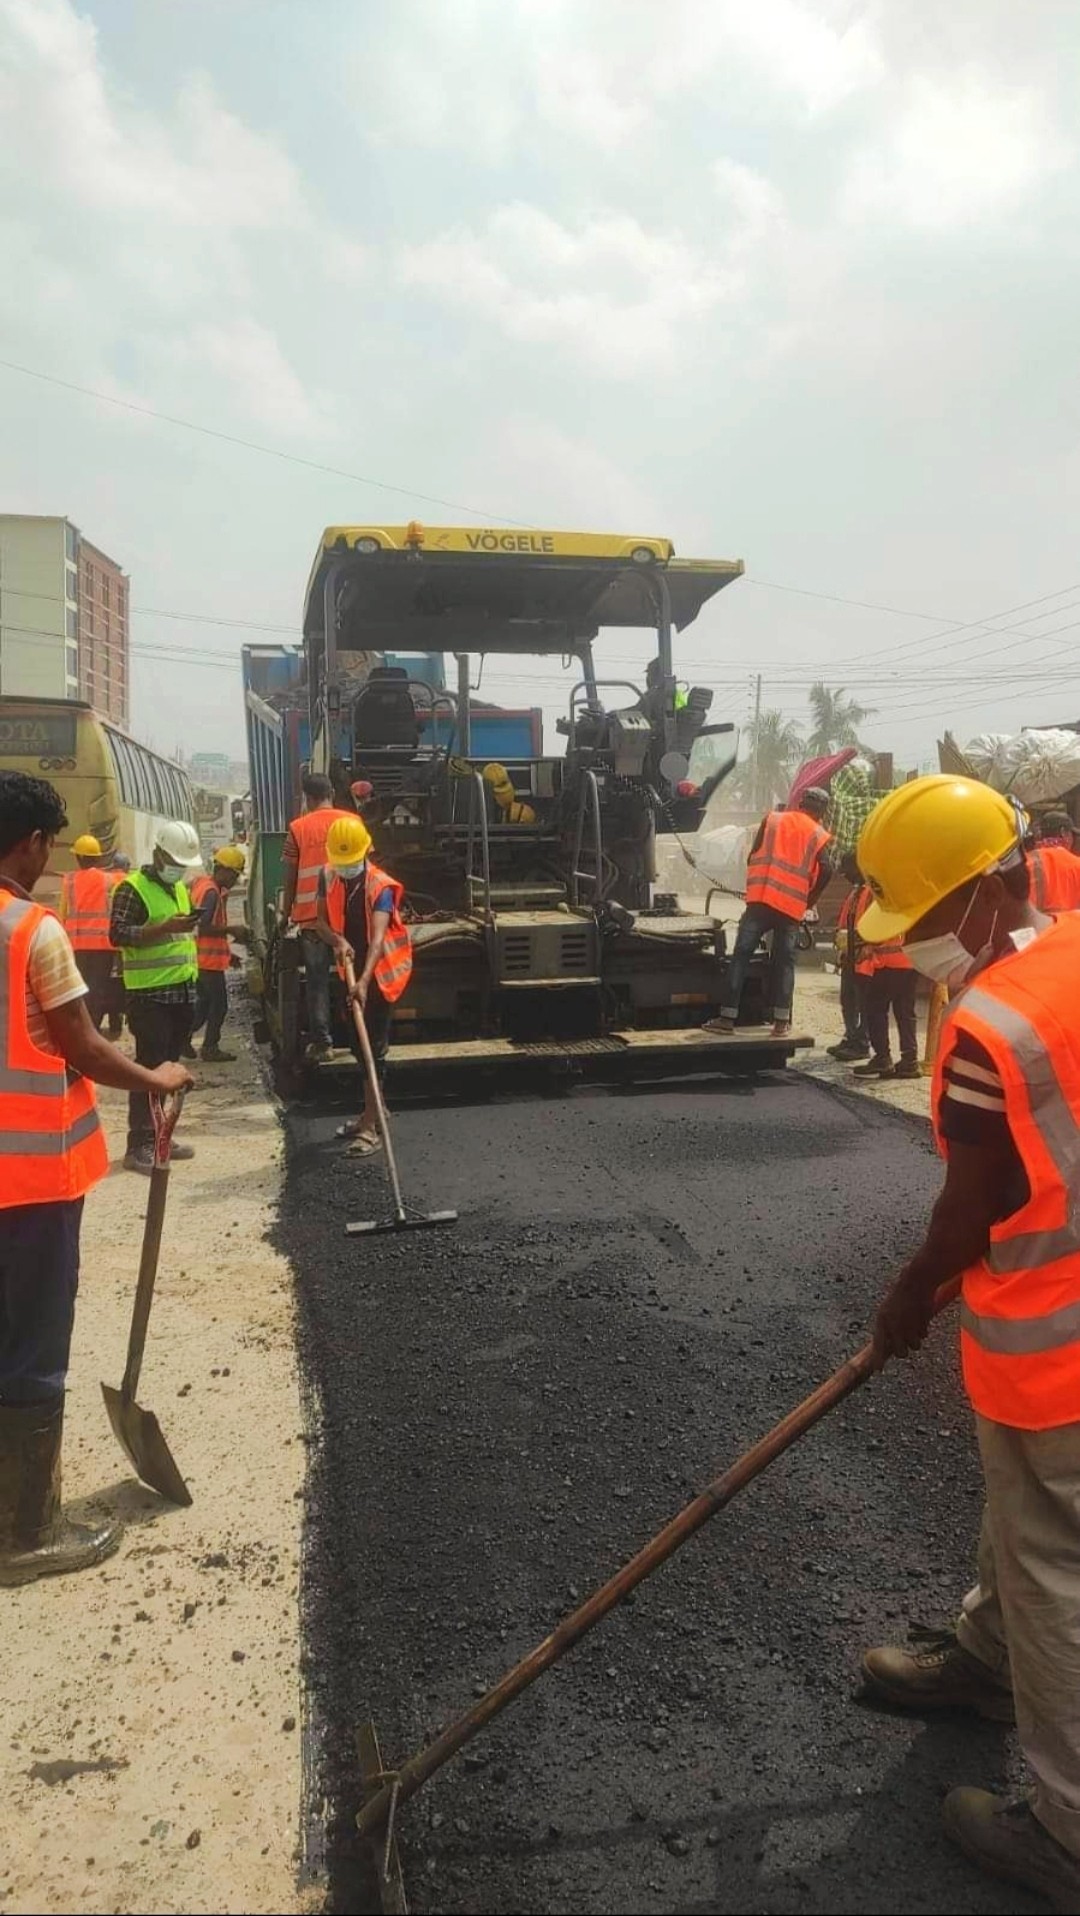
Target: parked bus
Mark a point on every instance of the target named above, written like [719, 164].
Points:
[222, 818]
[111, 786]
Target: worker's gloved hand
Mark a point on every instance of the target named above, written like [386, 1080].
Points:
[902, 1321]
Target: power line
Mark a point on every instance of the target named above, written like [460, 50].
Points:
[252, 445]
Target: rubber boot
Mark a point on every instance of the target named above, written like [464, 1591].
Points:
[36, 1539]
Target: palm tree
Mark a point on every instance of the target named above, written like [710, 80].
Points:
[776, 748]
[836, 720]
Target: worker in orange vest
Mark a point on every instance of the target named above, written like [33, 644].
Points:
[854, 1044]
[889, 982]
[85, 895]
[1054, 867]
[360, 919]
[303, 858]
[209, 895]
[949, 878]
[786, 871]
[53, 1151]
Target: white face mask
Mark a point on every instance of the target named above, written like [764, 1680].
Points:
[947, 959]
[172, 874]
[349, 872]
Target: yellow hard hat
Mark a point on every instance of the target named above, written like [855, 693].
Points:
[86, 846]
[924, 841]
[347, 842]
[495, 774]
[231, 857]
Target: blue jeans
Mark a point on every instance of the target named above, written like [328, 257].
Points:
[318, 959]
[39, 1276]
[780, 988]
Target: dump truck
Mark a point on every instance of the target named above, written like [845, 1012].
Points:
[539, 938]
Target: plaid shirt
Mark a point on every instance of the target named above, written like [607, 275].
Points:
[853, 800]
[128, 912]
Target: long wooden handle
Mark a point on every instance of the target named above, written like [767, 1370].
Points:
[165, 1114]
[376, 1091]
[405, 1782]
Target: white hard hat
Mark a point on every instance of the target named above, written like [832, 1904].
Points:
[180, 843]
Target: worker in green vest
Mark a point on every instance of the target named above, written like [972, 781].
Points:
[152, 925]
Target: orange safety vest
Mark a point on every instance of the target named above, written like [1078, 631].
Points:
[1055, 878]
[864, 954]
[52, 1146]
[1020, 1304]
[780, 873]
[212, 945]
[85, 897]
[309, 832]
[394, 967]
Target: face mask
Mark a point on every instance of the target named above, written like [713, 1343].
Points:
[172, 874]
[349, 872]
[947, 959]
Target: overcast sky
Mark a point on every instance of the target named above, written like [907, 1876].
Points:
[784, 280]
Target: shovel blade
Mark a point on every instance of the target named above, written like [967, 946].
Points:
[140, 1437]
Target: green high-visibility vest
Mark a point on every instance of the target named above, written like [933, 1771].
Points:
[173, 961]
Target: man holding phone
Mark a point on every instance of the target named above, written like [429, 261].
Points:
[152, 925]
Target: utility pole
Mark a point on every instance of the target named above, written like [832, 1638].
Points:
[755, 780]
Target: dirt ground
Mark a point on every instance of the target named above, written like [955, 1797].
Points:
[153, 1726]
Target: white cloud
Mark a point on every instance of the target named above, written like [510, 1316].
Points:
[958, 150]
[620, 296]
[135, 226]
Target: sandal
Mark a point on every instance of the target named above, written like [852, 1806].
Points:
[364, 1145]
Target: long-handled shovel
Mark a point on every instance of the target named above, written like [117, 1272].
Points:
[137, 1431]
[387, 1789]
[403, 1219]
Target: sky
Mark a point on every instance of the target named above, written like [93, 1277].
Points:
[791, 281]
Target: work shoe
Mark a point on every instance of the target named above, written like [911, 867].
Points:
[320, 1051]
[211, 1054]
[719, 1027]
[875, 1068]
[141, 1159]
[188, 1051]
[936, 1673]
[36, 1539]
[907, 1068]
[846, 1052]
[1005, 1838]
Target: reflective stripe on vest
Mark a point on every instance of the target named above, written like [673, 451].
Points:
[309, 831]
[171, 961]
[85, 897]
[780, 873]
[51, 1140]
[393, 967]
[213, 945]
[1020, 1311]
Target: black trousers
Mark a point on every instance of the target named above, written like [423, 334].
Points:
[211, 1006]
[160, 1032]
[96, 968]
[892, 990]
[852, 1004]
[39, 1276]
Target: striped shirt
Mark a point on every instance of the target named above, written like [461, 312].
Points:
[973, 1111]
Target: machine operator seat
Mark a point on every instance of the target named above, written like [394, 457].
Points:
[384, 716]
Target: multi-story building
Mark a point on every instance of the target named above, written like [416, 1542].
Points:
[64, 617]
